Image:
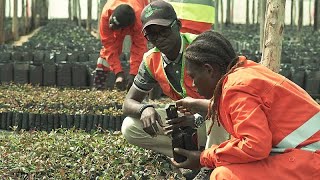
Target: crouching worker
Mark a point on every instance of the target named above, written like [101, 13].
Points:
[118, 19]
[274, 124]
[163, 65]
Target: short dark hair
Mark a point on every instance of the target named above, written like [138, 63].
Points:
[124, 15]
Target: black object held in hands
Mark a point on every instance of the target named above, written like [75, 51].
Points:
[182, 137]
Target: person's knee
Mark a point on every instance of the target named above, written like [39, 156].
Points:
[126, 127]
[129, 130]
[221, 172]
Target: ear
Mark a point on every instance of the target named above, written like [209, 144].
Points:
[209, 69]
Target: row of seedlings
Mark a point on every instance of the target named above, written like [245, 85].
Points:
[47, 122]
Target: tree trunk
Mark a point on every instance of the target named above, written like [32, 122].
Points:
[74, 11]
[316, 15]
[15, 21]
[2, 18]
[221, 15]
[69, 10]
[27, 16]
[39, 12]
[23, 17]
[300, 20]
[232, 9]
[23, 13]
[253, 12]
[310, 13]
[273, 34]
[9, 7]
[259, 12]
[247, 12]
[79, 13]
[216, 17]
[262, 22]
[293, 14]
[89, 5]
[44, 9]
[228, 18]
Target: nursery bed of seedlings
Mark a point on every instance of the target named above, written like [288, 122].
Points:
[75, 154]
[70, 150]
[45, 108]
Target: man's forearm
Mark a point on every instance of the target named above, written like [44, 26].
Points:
[131, 108]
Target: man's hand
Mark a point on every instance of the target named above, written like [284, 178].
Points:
[193, 159]
[120, 81]
[179, 122]
[149, 118]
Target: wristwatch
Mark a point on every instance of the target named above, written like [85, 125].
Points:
[198, 120]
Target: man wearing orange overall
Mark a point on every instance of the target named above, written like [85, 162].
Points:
[274, 124]
[118, 19]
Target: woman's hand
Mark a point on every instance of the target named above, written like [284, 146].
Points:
[193, 106]
[193, 159]
[179, 122]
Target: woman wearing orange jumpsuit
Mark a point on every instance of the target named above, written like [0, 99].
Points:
[274, 124]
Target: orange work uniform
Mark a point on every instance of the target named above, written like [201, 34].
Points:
[274, 126]
[112, 40]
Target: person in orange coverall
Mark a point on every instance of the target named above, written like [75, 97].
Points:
[274, 124]
[118, 19]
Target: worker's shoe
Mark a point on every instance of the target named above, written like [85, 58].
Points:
[204, 174]
[120, 81]
[100, 78]
[130, 81]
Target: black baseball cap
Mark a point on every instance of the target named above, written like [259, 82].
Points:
[158, 12]
[123, 16]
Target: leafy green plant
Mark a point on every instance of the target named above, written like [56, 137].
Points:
[73, 154]
[50, 100]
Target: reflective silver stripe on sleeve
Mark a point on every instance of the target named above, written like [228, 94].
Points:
[301, 134]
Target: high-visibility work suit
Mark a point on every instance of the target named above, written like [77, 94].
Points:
[274, 127]
[196, 16]
[112, 40]
[154, 64]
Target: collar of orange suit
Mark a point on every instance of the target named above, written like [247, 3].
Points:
[242, 60]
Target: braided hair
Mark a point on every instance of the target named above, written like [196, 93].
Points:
[212, 48]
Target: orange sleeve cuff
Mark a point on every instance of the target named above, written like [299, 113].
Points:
[208, 157]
